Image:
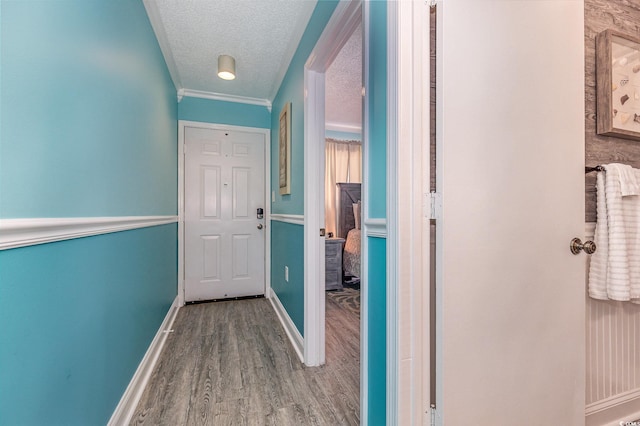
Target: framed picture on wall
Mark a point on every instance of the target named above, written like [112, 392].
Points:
[618, 85]
[284, 168]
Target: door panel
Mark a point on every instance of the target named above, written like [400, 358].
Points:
[510, 170]
[224, 247]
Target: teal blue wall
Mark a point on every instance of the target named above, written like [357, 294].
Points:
[377, 248]
[232, 113]
[345, 136]
[377, 347]
[88, 112]
[287, 249]
[78, 317]
[377, 98]
[88, 128]
[292, 90]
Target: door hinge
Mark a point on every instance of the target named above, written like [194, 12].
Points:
[184, 148]
[434, 205]
[433, 414]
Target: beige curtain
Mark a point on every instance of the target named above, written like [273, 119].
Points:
[343, 163]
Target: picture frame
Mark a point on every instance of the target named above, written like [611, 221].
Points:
[618, 85]
[284, 152]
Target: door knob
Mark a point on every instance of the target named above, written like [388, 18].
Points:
[576, 245]
[259, 226]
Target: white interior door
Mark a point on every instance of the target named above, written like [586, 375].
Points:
[511, 296]
[224, 238]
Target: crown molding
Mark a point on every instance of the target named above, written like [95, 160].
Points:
[226, 98]
[158, 28]
[16, 233]
[341, 127]
[292, 47]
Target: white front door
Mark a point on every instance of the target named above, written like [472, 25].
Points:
[511, 300]
[224, 238]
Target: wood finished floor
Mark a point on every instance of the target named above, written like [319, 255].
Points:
[231, 363]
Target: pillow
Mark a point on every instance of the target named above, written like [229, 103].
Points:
[356, 213]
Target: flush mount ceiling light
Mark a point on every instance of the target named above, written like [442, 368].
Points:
[226, 67]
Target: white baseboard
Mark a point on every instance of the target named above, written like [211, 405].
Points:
[289, 327]
[615, 410]
[129, 401]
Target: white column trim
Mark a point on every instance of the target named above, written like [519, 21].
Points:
[295, 219]
[408, 241]
[16, 233]
[393, 364]
[366, 174]
[314, 302]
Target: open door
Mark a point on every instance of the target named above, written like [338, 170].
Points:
[510, 170]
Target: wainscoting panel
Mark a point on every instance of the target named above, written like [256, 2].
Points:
[612, 358]
[613, 353]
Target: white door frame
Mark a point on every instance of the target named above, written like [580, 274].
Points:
[408, 227]
[338, 30]
[408, 211]
[267, 197]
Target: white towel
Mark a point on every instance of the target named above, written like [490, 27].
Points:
[614, 272]
[628, 180]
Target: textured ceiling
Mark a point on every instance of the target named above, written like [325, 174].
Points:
[343, 86]
[262, 36]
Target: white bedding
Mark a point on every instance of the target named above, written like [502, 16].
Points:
[351, 255]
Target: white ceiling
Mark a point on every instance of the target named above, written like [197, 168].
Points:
[261, 35]
[343, 87]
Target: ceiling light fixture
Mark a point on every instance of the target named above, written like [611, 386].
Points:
[226, 67]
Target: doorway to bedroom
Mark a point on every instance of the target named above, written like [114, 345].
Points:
[342, 207]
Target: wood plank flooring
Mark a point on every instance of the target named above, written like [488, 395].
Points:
[230, 363]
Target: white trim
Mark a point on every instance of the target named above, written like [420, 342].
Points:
[289, 327]
[341, 127]
[612, 402]
[343, 22]
[408, 242]
[16, 233]
[267, 196]
[129, 401]
[314, 154]
[364, 255]
[439, 302]
[393, 128]
[376, 228]
[161, 35]
[295, 219]
[226, 98]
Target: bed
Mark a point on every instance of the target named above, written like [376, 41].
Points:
[349, 207]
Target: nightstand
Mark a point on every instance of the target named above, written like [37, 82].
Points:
[333, 263]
